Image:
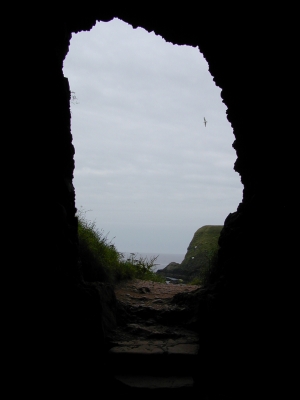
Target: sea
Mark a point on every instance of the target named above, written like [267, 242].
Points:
[162, 260]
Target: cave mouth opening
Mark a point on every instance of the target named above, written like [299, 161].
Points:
[154, 156]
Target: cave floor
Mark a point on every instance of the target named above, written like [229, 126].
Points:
[154, 347]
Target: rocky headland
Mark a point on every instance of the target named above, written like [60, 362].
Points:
[199, 257]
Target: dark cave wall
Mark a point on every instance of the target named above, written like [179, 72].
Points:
[241, 310]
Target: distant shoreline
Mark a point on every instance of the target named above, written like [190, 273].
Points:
[163, 259]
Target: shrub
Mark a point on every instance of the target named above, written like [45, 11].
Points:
[100, 261]
[142, 267]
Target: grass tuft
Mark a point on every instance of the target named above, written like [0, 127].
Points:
[99, 260]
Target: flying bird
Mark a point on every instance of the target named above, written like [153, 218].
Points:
[205, 122]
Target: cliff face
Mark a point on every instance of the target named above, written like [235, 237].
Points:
[54, 319]
[200, 253]
[202, 248]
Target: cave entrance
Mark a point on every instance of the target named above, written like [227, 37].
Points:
[154, 160]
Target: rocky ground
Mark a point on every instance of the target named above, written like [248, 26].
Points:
[151, 309]
[156, 334]
[152, 294]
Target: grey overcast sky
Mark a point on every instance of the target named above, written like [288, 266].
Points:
[147, 169]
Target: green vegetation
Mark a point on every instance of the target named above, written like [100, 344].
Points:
[202, 254]
[206, 273]
[100, 261]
